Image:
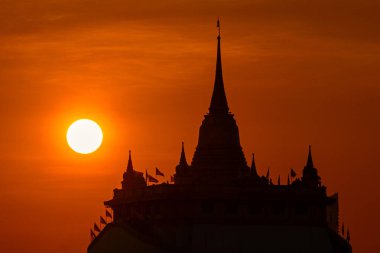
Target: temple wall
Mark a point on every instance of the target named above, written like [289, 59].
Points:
[217, 238]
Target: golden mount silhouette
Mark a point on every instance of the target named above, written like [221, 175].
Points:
[220, 204]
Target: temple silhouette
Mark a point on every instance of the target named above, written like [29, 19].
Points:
[218, 203]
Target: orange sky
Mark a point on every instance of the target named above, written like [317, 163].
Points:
[296, 73]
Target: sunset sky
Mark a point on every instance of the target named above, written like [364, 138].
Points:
[295, 72]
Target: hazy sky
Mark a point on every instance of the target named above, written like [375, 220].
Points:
[296, 73]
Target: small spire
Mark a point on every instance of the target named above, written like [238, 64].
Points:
[218, 103]
[268, 174]
[253, 165]
[182, 160]
[279, 180]
[309, 159]
[130, 166]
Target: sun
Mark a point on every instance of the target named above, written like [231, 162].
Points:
[84, 136]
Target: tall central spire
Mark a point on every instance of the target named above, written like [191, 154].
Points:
[218, 157]
[219, 103]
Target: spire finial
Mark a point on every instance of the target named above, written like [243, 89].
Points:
[130, 166]
[310, 159]
[253, 165]
[182, 160]
[218, 26]
[219, 103]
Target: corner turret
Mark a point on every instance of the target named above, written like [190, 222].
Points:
[310, 176]
[132, 179]
[182, 169]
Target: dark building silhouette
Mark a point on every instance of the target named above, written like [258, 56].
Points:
[220, 204]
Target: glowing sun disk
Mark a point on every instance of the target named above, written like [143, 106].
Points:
[84, 136]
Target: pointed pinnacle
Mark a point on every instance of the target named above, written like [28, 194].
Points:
[218, 103]
[253, 165]
[182, 160]
[130, 166]
[310, 159]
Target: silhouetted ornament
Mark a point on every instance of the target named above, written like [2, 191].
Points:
[132, 179]
[310, 176]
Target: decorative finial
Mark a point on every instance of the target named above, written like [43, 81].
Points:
[218, 26]
[130, 166]
[310, 159]
[182, 159]
[253, 166]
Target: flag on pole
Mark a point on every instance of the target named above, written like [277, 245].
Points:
[293, 173]
[151, 179]
[96, 228]
[108, 214]
[159, 173]
[102, 221]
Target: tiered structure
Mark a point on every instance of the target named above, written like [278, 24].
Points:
[219, 203]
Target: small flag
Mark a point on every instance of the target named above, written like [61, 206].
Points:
[159, 173]
[293, 173]
[151, 179]
[96, 228]
[102, 221]
[92, 234]
[108, 214]
[172, 179]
